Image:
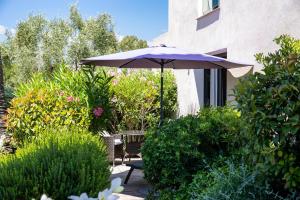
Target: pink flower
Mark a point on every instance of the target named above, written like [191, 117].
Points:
[70, 99]
[98, 112]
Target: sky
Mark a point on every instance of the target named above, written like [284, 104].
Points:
[146, 19]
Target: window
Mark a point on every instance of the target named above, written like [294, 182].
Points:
[221, 87]
[215, 4]
[215, 84]
[206, 84]
[221, 83]
[209, 5]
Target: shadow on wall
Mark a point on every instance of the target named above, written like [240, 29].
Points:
[208, 19]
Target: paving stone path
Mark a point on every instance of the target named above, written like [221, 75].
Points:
[136, 188]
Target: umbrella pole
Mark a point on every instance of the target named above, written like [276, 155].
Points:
[161, 93]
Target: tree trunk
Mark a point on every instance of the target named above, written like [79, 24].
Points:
[2, 98]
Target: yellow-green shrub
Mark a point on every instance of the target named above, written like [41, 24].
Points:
[40, 108]
[90, 84]
[137, 96]
[59, 162]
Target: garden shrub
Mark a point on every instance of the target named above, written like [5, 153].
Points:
[59, 163]
[76, 97]
[181, 147]
[270, 103]
[97, 89]
[231, 181]
[116, 101]
[165, 194]
[39, 109]
[137, 98]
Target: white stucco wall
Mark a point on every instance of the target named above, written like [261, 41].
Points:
[244, 27]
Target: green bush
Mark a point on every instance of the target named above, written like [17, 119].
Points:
[87, 90]
[39, 109]
[232, 181]
[181, 147]
[174, 194]
[124, 100]
[270, 103]
[136, 97]
[229, 179]
[59, 163]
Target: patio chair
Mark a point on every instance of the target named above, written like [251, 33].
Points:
[133, 143]
[115, 147]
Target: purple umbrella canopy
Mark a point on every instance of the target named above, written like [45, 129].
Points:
[169, 57]
[162, 57]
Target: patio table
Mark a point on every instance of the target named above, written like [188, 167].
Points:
[132, 133]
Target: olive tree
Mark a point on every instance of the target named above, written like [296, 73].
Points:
[40, 44]
[131, 42]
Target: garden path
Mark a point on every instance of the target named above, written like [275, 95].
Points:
[136, 188]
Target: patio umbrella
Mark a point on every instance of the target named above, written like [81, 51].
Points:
[162, 57]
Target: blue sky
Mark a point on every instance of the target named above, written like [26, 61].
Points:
[143, 18]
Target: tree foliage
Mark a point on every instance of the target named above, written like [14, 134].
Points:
[131, 42]
[42, 44]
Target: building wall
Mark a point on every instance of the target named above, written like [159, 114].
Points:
[243, 27]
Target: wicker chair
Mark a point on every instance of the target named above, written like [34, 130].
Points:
[114, 150]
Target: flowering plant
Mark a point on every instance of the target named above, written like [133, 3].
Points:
[70, 99]
[97, 89]
[98, 112]
[40, 108]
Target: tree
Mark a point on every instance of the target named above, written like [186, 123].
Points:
[21, 51]
[91, 37]
[54, 43]
[41, 44]
[132, 42]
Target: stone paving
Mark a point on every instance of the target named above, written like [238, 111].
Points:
[136, 188]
